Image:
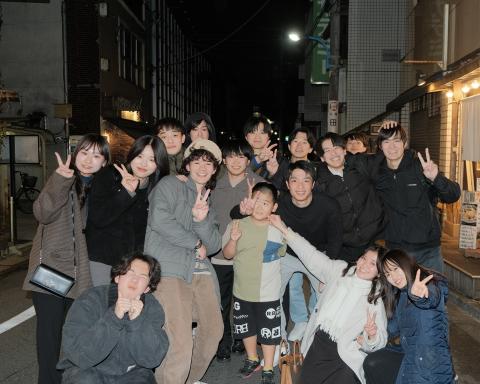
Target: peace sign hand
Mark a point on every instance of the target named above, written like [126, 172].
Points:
[248, 203]
[129, 182]
[267, 152]
[64, 168]
[200, 208]
[430, 169]
[235, 232]
[272, 164]
[419, 287]
[370, 327]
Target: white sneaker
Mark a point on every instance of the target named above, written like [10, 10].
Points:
[276, 357]
[297, 331]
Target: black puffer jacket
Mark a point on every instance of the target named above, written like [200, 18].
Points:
[362, 212]
[410, 203]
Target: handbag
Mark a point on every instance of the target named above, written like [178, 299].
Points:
[290, 364]
[51, 279]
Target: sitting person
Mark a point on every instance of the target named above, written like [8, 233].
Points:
[113, 333]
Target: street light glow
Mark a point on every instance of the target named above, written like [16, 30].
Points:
[294, 36]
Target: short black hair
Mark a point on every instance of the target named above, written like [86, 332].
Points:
[305, 166]
[169, 124]
[154, 270]
[335, 138]
[386, 134]
[251, 125]
[268, 188]
[237, 147]
[308, 133]
[360, 136]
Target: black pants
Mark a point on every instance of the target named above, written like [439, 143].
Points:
[51, 311]
[323, 365]
[382, 366]
[225, 280]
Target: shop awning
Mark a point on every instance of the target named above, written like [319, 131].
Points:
[133, 129]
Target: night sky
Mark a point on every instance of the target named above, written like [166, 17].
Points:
[256, 66]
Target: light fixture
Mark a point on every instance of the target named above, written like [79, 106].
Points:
[465, 88]
[294, 36]
[475, 84]
[421, 78]
[449, 94]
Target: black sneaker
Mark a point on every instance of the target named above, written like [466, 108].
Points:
[268, 377]
[238, 346]
[249, 366]
[223, 353]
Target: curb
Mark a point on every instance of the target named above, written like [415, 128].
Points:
[470, 306]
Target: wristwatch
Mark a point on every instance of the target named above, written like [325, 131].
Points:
[197, 247]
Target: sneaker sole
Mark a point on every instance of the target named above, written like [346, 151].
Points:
[247, 376]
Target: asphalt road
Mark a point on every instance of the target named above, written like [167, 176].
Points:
[18, 359]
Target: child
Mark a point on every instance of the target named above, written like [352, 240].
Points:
[172, 133]
[61, 210]
[257, 247]
[415, 301]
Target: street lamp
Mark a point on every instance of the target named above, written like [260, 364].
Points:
[295, 37]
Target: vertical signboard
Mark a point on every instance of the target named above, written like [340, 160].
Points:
[319, 54]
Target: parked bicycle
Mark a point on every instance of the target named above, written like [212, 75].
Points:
[27, 193]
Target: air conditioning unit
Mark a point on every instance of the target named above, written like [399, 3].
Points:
[103, 9]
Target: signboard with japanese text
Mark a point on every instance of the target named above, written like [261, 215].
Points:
[319, 73]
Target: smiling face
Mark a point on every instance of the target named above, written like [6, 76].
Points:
[258, 138]
[144, 164]
[333, 155]
[300, 184]
[367, 265]
[393, 148]
[236, 164]
[394, 274]
[89, 160]
[135, 282]
[264, 206]
[200, 131]
[172, 139]
[355, 146]
[201, 170]
[300, 147]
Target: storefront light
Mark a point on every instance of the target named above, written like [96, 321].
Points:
[475, 84]
[450, 94]
[465, 89]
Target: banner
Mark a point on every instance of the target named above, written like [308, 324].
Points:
[319, 73]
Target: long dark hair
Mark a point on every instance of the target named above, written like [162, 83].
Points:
[86, 142]
[154, 270]
[159, 153]
[205, 155]
[409, 266]
[376, 290]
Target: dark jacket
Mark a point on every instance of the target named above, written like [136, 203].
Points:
[54, 237]
[410, 202]
[422, 325]
[363, 217]
[93, 336]
[117, 220]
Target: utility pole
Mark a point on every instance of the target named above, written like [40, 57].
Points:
[332, 117]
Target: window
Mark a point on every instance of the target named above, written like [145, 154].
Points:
[131, 58]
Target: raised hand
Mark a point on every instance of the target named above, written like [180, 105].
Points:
[136, 306]
[419, 287]
[430, 169]
[370, 327]
[200, 208]
[248, 203]
[129, 182]
[122, 306]
[388, 124]
[235, 232]
[277, 222]
[267, 152]
[272, 164]
[64, 168]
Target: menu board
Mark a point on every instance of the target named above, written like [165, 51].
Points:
[470, 220]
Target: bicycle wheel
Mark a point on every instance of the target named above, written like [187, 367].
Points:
[26, 198]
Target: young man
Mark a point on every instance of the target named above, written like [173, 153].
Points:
[171, 131]
[356, 142]
[181, 232]
[258, 131]
[230, 190]
[347, 179]
[113, 333]
[410, 187]
[256, 247]
[199, 126]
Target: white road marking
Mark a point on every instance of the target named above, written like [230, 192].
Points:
[16, 320]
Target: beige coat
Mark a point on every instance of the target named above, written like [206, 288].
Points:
[53, 210]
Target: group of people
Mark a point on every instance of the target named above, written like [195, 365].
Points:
[228, 230]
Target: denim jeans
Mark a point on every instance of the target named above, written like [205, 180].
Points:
[290, 265]
[430, 258]
[298, 308]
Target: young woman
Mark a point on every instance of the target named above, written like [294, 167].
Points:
[349, 318]
[118, 206]
[199, 125]
[61, 213]
[415, 301]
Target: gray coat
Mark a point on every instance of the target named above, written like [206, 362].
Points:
[171, 232]
[53, 210]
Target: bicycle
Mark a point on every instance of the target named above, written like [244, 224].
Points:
[26, 194]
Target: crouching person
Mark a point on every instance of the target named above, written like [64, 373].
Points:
[113, 333]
